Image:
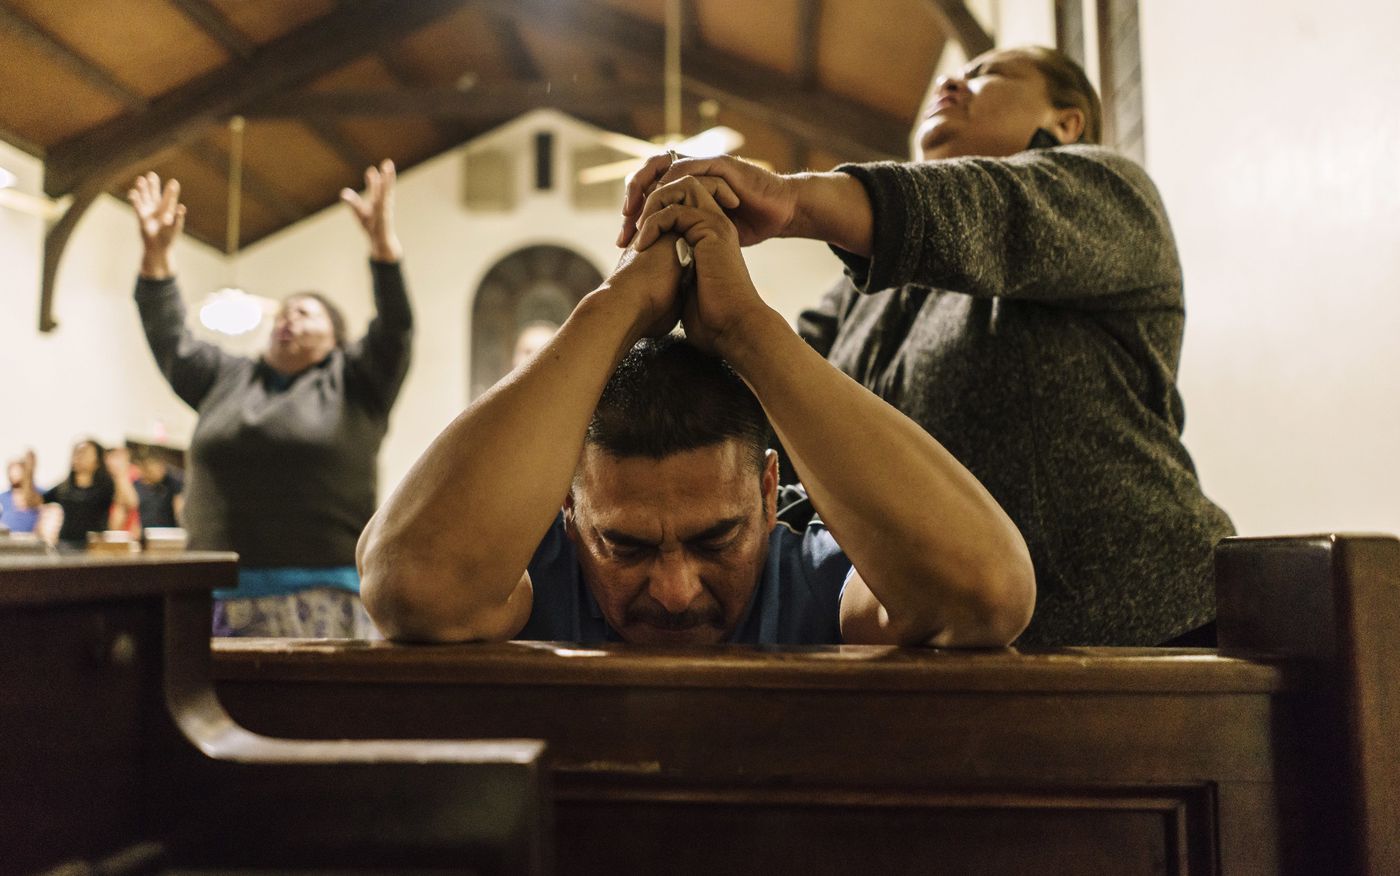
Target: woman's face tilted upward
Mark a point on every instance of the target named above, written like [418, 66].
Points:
[302, 335]
[992, 108]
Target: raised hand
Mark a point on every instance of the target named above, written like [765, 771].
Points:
[760, 203]
[649, 279]
[161, 218]
[375, 211]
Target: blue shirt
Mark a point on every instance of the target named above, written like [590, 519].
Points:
[797, 601]
[16, 519]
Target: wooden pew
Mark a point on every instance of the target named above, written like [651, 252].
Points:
[1274, 754]
[116, 757]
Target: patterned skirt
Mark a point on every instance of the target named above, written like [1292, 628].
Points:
[318, 613]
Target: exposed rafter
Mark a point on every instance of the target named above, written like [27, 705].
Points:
[89, 164]
[481, 103]
[809, 15]
[959, 22]
[91, 74]
[844, 125]
[213, 22]
[329, 133]
[254, 184]
[517, 54]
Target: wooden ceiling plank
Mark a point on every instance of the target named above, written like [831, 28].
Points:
[117, 146]
[88, 164]
[401, 72]
[21, 142]
[956, 19]
[217, 25]
[809, 15]
[517, 54]
[97, 77]
[842, 124]
[487, 100]
[254, 184]
[330, 134]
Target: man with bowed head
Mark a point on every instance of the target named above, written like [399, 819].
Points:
[1016, 291]
[283, 461]
[618, 485]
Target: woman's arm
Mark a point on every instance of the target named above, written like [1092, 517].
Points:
[382, 355]
[190, 366]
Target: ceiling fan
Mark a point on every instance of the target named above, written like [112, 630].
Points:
[715, 140]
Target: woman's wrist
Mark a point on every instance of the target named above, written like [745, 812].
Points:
[385, 249]
[833, 208]
[157, 265]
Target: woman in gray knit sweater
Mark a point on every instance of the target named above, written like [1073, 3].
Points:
[1016, 290]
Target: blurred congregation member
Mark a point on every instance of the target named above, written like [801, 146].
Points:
[96, 492]
[1016, 291]
[21, 503]
[160, 490]
[283, 461]
[531, 337]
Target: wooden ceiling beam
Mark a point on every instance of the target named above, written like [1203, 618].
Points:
[447, 133]
[317, 48]
[958, 22]
[212, 21]
[809, 15]
[329, 133]
[483, 101]
[21, 142]
[87, 165]
[517, 54]
[842, 125]
[254, 184]
[91, 74]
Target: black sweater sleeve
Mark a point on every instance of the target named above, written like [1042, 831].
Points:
[1073, 222]
[189, 365]
[382, 356]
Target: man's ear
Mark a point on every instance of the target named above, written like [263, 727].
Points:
[570, 510]
[770, 488]
[1068, 124]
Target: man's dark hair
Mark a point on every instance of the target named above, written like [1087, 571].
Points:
[337, 318]
[667, 397]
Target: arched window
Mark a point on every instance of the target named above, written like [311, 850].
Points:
[538, 284]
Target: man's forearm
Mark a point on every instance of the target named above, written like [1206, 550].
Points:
[925, 535]
[460, 529]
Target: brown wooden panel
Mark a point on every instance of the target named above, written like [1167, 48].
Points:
[146, 44]
[264, 20]
[903, 39]
[296, 161]
[460, 43]
[405, 139]
[802, 833]
[34, 87]
[768, 40]
[563, 60]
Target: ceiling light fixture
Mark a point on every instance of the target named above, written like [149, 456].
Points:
[230, 310]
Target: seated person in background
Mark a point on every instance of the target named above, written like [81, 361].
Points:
[656, 452]
[93, 497]
[533, 335]
[20, 504]
[161, 492]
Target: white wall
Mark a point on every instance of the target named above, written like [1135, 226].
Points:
[1273, 131]
[94, 376]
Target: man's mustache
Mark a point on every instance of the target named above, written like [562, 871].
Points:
[653, 614]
